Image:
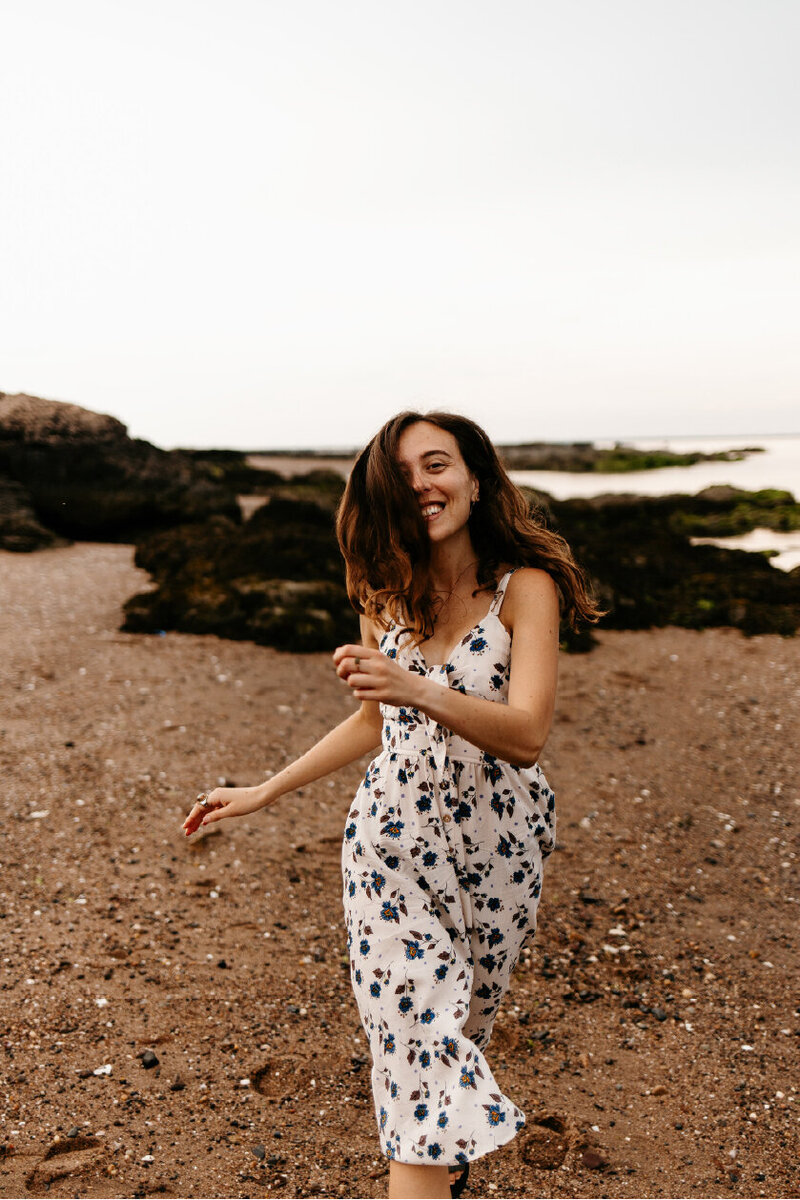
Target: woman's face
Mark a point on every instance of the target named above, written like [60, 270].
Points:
[444, 486]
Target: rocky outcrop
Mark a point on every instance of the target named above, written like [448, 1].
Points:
[20, 530]
[277, 580]
[78, 475]
[648, 573]
[31, 419]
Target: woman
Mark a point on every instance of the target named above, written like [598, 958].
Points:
[445, 843]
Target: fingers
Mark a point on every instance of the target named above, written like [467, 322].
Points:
[199, 812]
[356, 661]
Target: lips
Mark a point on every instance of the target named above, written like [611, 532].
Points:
[432, 510]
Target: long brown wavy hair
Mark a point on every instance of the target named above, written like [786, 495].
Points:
[384, 540]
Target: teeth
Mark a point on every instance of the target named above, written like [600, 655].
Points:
[430, 509]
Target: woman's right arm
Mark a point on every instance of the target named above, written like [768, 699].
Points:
[356, 736]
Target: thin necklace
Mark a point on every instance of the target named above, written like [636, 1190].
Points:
[441, 591]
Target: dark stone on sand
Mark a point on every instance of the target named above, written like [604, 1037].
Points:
[149, 1060]
[260, 1152]
[73, 1132]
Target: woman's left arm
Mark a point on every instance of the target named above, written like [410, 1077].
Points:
[514, 732]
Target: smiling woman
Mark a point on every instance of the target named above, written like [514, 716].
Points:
[446, 840]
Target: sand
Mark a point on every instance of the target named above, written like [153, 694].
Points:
[651, 1035]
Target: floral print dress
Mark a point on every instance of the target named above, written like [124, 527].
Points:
[442, 867]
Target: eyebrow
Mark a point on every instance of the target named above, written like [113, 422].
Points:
[429, 454]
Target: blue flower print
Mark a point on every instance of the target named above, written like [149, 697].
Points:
[439, 830]
[352, 888]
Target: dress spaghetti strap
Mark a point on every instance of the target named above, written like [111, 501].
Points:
[500, 594]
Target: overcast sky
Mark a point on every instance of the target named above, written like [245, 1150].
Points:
[276, 222]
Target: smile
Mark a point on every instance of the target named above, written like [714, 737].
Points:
[431, 511]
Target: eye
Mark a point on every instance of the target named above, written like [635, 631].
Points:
[435, 466]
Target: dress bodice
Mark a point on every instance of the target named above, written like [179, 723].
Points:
[478, 665]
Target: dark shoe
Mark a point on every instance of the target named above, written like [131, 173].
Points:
[460, 1182]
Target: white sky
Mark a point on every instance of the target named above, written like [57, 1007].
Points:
[262, 223]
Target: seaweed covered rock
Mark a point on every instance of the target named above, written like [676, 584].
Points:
[86, 479]
[647, 572]
[277, 580]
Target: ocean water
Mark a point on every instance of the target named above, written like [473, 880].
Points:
[777, 465]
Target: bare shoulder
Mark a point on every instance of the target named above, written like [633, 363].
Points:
[531, 594]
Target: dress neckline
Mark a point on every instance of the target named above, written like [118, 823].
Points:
[491, 612]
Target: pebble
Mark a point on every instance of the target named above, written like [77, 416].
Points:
[149, 1060]
[260, 1152]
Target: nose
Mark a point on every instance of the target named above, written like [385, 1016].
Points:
[418, 484]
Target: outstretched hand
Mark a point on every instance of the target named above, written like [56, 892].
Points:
[374, 676]
[222, 803]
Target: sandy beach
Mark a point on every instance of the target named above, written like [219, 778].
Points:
[177, 1018]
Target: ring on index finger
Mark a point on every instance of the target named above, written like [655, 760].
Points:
[202, 800]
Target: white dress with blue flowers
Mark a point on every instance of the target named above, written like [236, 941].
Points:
[442, 864]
